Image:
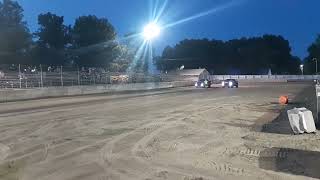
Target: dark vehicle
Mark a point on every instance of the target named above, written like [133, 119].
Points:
[203, 83]
[230, 83]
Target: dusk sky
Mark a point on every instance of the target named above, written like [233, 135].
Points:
[296, 20]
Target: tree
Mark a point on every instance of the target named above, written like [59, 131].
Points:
[53, 37]
[90, 30]
[94, 37]
[15, 38]
[168, 52]
[52, 32]
[314, 52]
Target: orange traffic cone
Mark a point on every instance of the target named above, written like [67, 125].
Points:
[283, 100]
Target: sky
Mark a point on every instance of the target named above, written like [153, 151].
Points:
[296, 20]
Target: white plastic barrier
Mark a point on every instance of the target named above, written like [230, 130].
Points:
[301, 121]
[294, 120]
[307, 120]
[266, 77]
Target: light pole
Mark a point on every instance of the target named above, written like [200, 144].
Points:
[316, 60]
[301, 68]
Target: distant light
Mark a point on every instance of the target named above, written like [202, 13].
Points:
[151, 31]
[301, 68]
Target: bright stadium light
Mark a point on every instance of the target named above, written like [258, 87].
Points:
[151, 31]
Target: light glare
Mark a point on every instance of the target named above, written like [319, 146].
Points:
[151, 31]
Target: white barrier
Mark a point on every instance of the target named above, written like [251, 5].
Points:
[265, 77]
[25, 94]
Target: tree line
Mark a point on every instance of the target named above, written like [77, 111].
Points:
[313, 57]
[255, 55]
[55, 43]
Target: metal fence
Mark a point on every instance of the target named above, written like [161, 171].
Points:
[26, 76]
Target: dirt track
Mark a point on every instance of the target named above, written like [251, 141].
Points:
[173, 134]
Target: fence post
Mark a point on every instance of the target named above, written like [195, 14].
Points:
[78, 76]
[41, 77]
[61, 78]
[20, 83]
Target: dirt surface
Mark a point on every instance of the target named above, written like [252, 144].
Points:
[182, 133]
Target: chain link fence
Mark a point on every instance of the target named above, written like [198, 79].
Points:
[37, 76]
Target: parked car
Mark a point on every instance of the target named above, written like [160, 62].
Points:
[230, 83]
[203, 83]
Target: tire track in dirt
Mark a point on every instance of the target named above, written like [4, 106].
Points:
[258, 152]
[138, 150]
[107, 156]
[221, 168]
[147, 128]
[151, 129]
[37, 155]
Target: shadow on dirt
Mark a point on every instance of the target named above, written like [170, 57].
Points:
[280, 125]
[291, 161]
